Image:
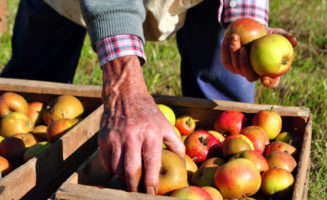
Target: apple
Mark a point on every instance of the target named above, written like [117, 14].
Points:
[168, 113]
[271, 55]
[288, 138]
[35, 150]
[5, 166]
[1, 138]
[191, 167]
[185, 124]
[270, 121]
[279, 146]
[214, 161]
[59, 127]
[214, 193]
[62, 107]
[204, 176]
[218, 135]
[237, 178]
[277, 182]
[173, 174]
[192, 193]
[12, 102]
[281, 159]
[40, 132]
[201, 145]
[14, 122]
[230, 122]
[235, 145]
[258, 159]
[12, 148]
[257, 136]
[28, 138]
[248, 29]
[35, 110]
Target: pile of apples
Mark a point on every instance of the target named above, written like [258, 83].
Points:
[28, 128]
[242, 157]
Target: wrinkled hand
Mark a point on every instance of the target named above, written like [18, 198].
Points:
[132, 126]
[235, 57]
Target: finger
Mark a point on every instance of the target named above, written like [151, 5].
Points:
[234, 47]
[269, 82]
[117, 161]
[174, 143]
[104, 151]
[152, 162]
[225, 55]
[245, 66]
[133, 165]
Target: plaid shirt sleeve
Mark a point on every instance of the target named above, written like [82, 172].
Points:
[230, 10]
[114, 47]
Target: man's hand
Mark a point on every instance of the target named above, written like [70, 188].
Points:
[235, 57]
[132, 126]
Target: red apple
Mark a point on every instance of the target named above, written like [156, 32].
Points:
[279, 146]
[59, 127]
[5, 166]
[257, 158]
[218, 135]
[230, 122]
[214, 193]
[185, 124]
[13, 149]
[248, 29]
[192, 193]
[201, 145]
[255, 134]
[270, 121]
[12, 102]
[35, 110]
[14, 122]
[281, 159]
[237, 178]
[277, 182]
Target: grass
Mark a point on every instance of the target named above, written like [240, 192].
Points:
[305, 85]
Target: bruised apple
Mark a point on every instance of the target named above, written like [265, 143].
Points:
[62, 107]
[248, 29]
[173, 174]
[230, 122]
[12, 102]
[14, 122]
[192, 193]
[35, 109]
[59, 127]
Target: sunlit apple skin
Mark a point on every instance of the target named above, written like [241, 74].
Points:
[12, 148]
[258, 159]
[201, 145]
[168, 113]
[218, 135]
[13, 123]
[281, 159]
[277, 182]
[230, 122]
[12, 102]
[35, 110]
[192, 193]
[185, 124]
[279, 146]
[237, 178]
[270, 121]
[191, 167]
[40, 132]
[59, 127]
[256, 136]
[28, 138]
[256, 129]
[214, 193]
[5, 166]
[248, 29]
[271, 55]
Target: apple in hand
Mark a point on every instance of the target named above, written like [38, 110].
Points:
[280, 146]
[12, 102]
[192, 193]
[173, 174]
[201, 145]
[248, 29]
[59, 127]
[185, 124]
[258, 159]
[277, 182]
[271, 55]
[230, 121]
[35, 110]
[270, 121]
[237, 178]
[258, 137]
[281, 159]
[14, 122]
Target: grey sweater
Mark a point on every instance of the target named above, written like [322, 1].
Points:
[105, 18]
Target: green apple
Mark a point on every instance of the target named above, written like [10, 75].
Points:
[271, 55]
[168, 113]
[179, 135]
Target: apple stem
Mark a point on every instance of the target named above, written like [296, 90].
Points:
[271, 108]
[284, 61]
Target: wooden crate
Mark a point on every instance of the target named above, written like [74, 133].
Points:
[79, 185]
[39, 177]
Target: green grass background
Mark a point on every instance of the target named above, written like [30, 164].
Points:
[305, 85]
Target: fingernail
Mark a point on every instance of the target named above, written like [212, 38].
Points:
[150, 190]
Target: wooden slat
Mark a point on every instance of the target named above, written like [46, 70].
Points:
[69, 191]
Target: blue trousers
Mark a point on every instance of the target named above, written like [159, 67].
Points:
[47, 46]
